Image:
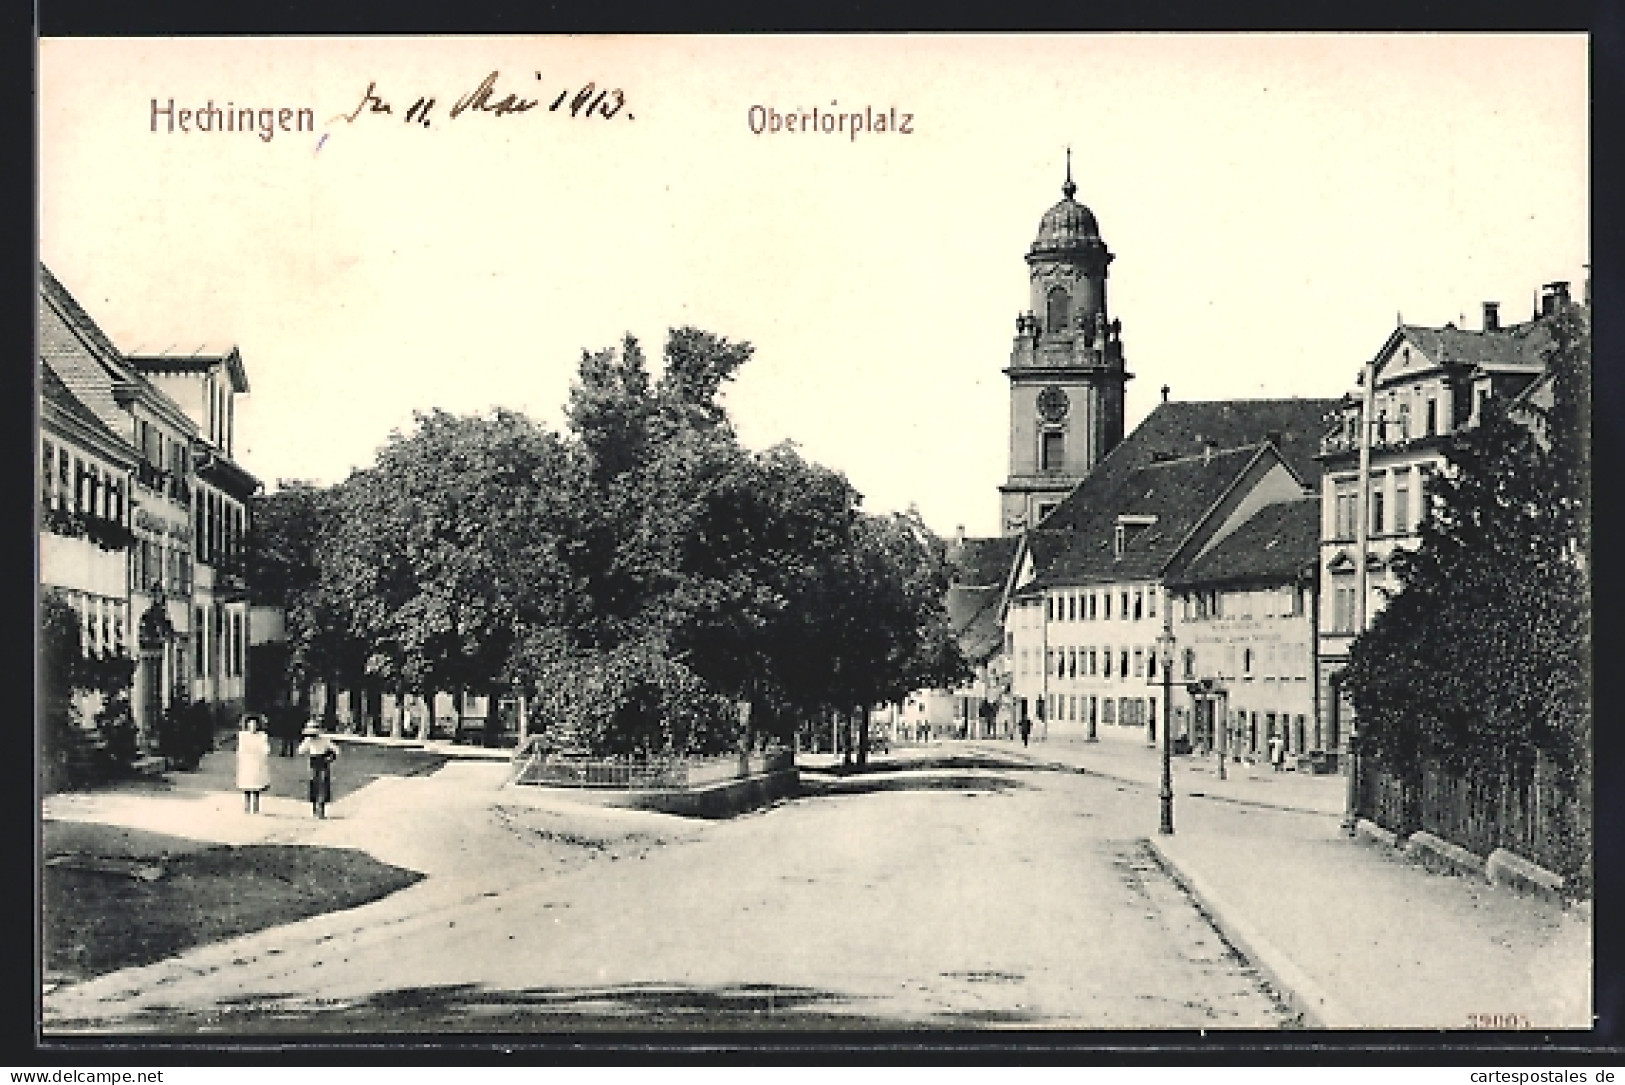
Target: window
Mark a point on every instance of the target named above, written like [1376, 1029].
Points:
[1376, 507]
[1106, 671]
[1124, 611]
[1071, 662]
[1072, 608]
[1139, 604]
[1122, 663]
[1404, 421]
[1402, 501]
[1433, 417]
[1151, 603]
[1246, 662]
[1059, 309]
[1052, 451]
[1092, 607]
[48, 475]
[1049, 660]
[200, 644]
[1139, 663]
[1049, 609]
[1190, 664]
[1107, 608]
[1151, 664]
[1045, 508]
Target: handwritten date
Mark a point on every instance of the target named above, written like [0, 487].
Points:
[587, 101]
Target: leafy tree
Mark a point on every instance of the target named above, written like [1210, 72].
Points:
[70, 681]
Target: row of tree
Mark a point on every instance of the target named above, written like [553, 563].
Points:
[637, 578]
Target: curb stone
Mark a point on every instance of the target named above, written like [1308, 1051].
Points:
[1513, 871]
[1318, 1008]
[1373, 833]
[1435, 851]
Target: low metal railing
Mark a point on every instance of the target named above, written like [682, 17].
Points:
[532, 766]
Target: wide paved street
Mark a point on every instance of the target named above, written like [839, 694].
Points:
[940, 891]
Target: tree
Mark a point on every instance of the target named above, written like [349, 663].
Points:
[1482, 658]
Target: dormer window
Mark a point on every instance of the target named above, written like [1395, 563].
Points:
[1128, 528]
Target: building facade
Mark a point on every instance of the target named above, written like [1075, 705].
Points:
[1244, 613]
[137, 464]
[1425, 384]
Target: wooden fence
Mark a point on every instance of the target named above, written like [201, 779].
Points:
[1522, 808]
[651, 774]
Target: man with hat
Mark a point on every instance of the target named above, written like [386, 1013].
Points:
[322, 752]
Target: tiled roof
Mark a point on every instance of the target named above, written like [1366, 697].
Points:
[1078, 541]
[81, 355]
[1275, 545]
[983, 562]
[1179, 429]
[54, 392]
[1517, 347]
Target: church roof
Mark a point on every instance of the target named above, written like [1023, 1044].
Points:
[1068, 224]
[1178, 429]
[1163, 502]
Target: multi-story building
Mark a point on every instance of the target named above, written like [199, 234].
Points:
[1426, 383]
[205, 386]
[1244, 612]
[1090, 598]
[84, 517]
[151, 487]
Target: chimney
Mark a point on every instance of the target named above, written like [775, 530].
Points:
[959, 536]
[1165, 391]
[1273, 437]
[1492, 316]
[1554, 298]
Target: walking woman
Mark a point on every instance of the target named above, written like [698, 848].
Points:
[253, 762]
[322, 752]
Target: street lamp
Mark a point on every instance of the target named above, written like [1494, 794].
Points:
[1165, 649]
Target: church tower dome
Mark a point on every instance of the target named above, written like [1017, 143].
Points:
[1067, 225]
[1066, 369]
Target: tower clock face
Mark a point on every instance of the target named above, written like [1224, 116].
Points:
[1053, 404]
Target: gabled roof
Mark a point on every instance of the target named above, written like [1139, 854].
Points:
[1160, 505]
[90, 365]
[1276, 544]
[1514, 348]
[197, 362]
[61, 410]
[982, 562]
[1179, 429]
[981, 569]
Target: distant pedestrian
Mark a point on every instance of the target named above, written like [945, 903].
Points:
[1026, 729]
[253, 762]
[322, 752]
[1277, 752]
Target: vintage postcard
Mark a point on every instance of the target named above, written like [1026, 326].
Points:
[683, 535]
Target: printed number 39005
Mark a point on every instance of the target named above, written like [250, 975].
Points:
[1497, 1020]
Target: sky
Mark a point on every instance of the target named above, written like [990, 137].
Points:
[1274, 202]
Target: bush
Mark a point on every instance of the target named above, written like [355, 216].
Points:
[186, 732]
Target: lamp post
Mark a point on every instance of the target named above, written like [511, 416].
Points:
[1165, 648]
[1362, 548]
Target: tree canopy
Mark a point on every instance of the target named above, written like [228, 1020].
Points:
[639, 577]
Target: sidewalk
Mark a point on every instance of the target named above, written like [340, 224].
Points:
[1138, 763]
[1354, 934]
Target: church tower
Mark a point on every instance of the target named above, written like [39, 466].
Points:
[1066, 367]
